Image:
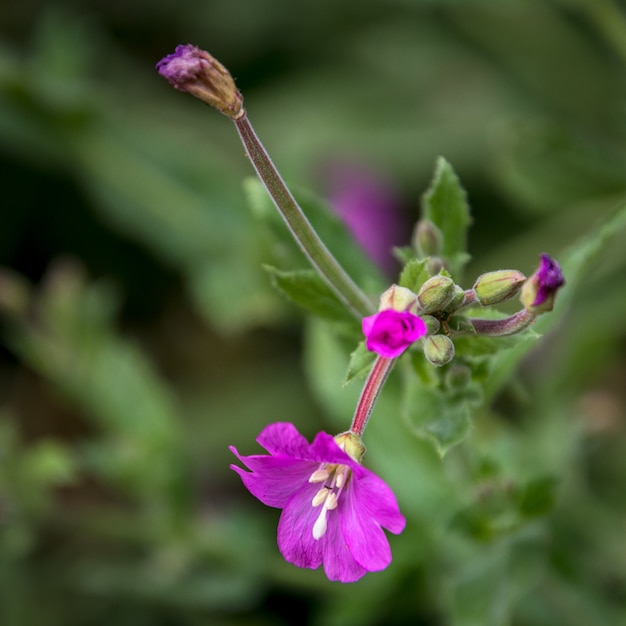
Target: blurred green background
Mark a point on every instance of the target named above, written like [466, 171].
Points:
[141, 337]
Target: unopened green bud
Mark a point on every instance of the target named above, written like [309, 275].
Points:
[436, 293]
[351, 444]
[458, 376]
[457, 299]
[427, 239]
[432, 323]
[496, 287]
[438, 349]
[398, 298]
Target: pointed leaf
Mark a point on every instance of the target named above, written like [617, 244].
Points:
[445, 204]
[414, 274]
[361, 361]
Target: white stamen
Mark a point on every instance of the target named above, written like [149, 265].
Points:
[319, 476]
[339, 479]
[320, 496]
[331, 501]
[319, 528]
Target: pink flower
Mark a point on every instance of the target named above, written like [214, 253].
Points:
[334, 509]
[390, 332]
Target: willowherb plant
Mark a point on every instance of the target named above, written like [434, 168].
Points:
[333, 508]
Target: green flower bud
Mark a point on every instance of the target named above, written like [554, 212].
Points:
[438, 349]
[436, 293]
[427, 239]
[351, 444]
[398, 298]
[496, 287]
[456, 301]
[432, 323]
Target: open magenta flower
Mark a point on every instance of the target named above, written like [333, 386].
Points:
[334, 509]
[390, 332]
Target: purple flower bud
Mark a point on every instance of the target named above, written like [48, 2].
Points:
[539, 291]
[195, 71]
[389, 333]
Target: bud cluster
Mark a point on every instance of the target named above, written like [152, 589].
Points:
[439, 302]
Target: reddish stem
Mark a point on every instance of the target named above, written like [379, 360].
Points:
[373, 385]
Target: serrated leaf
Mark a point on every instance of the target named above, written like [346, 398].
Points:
[445, 204]
[361, 361]
[306, 289]
[414, 274]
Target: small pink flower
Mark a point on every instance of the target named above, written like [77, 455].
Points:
[334, 510]
[390, 332]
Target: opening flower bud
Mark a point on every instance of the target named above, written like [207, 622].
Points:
[539, 291]
[438, 349]
[436, 293]
[398, 298]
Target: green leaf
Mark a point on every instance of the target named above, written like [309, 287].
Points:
[445, 204]
[361, 361]
[414, 274]
[442, 418]
[306, 289]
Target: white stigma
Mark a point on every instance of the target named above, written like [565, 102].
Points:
[319, 528]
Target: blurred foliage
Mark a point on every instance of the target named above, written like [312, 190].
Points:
[141, 335]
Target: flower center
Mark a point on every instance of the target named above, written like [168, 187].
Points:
[334, 478]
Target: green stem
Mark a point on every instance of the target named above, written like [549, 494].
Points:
[373, 386]
[308, 240]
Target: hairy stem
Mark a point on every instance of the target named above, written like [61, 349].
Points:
[373, 386]
[300, 227]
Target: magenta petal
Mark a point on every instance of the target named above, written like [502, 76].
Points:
[283, 438]
[273, 480]
[295, 529]
[339, 561]
[367, 323]
[364, 536]
[379, 501]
